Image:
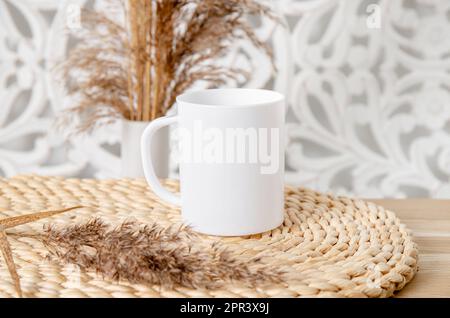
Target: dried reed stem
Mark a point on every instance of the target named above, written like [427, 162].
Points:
[6, 248]
[9, 260]
[33, 217]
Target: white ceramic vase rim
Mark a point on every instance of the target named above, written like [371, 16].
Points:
[129, 121]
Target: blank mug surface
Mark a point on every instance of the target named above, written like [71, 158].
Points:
[231, 160]
[232, 197]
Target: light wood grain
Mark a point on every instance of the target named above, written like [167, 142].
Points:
[430, 222]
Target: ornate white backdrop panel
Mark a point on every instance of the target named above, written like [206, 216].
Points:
[368, 85]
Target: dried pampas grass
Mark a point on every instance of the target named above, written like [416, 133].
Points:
[151, 255]
[135, 69]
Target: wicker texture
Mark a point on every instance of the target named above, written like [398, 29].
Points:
[328, 246]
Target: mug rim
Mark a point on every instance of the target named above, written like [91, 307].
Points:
[278, 97]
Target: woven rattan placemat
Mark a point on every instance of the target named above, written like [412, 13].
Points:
[328, 246]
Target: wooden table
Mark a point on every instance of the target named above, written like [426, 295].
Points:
[430, 222]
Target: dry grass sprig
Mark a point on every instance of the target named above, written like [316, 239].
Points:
[151, 255]
[9, 260]
[135, 69]
[6, 248]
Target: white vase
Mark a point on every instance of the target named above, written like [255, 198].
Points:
[131, 150]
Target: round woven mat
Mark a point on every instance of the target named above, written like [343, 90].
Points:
[328, 246]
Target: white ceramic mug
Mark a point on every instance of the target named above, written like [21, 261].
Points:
[232, 160]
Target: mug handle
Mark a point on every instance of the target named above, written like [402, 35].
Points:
[149, 170]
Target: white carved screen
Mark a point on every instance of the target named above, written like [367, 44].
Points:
[367, 84]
